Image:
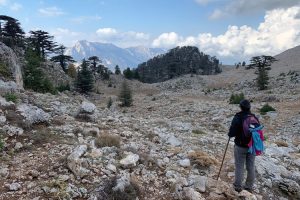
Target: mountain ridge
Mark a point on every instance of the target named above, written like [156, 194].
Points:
[112, 55]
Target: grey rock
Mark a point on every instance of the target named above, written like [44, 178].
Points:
[75, 163]
[33, 114]
[2, 120]
[87, 107]
[198, 182]
[14, 186]
[185, 163]
[122, 182]
[191, 194]
[12, 130]
[4, 172]
[18, 145]
[130, 160]
[173, 141]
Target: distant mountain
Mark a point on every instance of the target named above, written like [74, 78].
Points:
[177, 62]
[111, 55]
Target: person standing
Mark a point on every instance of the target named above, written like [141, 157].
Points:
[241, 155]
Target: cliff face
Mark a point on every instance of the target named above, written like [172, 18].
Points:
[178, 61]
[10, 69]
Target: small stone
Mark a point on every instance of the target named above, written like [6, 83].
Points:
[14, 186]
[130, 160]
[173, 141]
[63, 177]
[18, 145]
[111, 168]
[4, 172]
[185, 163]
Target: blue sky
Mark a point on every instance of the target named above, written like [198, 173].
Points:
[233, 30]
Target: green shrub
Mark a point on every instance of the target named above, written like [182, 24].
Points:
[125, 95]
[236, 98]
[63, 87]
[266, 108]
[4, 70]
[11, 97]
[1, 143]
[109, 103]
[198, 132]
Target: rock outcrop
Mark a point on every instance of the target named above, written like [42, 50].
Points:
[10, 67]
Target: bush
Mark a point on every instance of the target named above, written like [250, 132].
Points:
[11, 97]
[1, 143]
[109, 103]
[236, 98]
[266, 108]
[202, 159]
[125, 95]
[198, 132]
[106, 140]
[4, 70]
[63, 87]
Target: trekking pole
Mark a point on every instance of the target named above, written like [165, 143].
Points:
[223, 158]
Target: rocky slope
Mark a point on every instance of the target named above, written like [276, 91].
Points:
[168, 145]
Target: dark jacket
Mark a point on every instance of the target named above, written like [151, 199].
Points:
[236, 129]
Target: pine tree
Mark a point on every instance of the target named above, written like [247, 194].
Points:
[125, 95]
[117, 70]
[11, 32]
[42, 42]
[128, 73]
[85, 82]
[34, 78]
[62, 59]
[94, 62]
[262, 65]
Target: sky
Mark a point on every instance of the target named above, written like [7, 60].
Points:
[231, 30]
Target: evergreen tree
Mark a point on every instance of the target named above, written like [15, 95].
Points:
[84, 78]
[34, 78]
[128, 73]
[94, 63]
[42, 42]
[117, 70]
[11, 32]
[62, 59]
[262, 65]
[125, 95]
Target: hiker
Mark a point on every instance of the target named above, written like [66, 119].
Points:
[241, 154]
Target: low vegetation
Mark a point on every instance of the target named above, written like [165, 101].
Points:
[198, 132]
[10, 96]
[236, 98]
[107, 140]
[125, 95]
[202, 159]
[4, 70]
[266, 108]
[109, 103]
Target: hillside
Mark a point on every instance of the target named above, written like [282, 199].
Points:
[112, 55]
[177, 62]
[168, 145]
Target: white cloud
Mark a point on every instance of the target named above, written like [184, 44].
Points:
[16, 7]
[279, 31]
[237, 7]
[123, 39]
[51, 11]
[66, 36]
[167, 40]
[83, 19]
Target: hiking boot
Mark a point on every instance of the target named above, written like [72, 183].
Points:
[249, 190]
[238, 189]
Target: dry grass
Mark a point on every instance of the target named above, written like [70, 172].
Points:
[107, 140]
[202, 159]
[281, 143]
[198, 132]
[59, 120]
